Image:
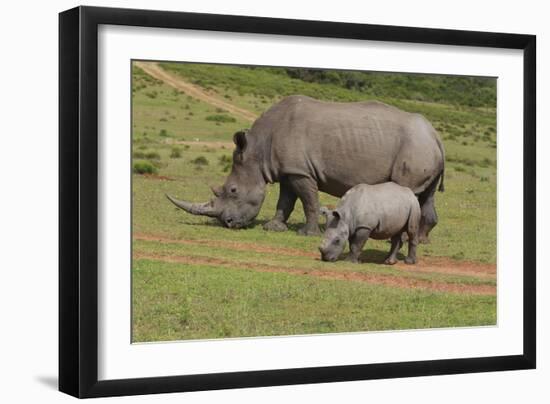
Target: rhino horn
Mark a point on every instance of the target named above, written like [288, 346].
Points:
[216, 190]
[203, 209]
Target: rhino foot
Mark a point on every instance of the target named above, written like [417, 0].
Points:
[390, 261]
[275, 225]
[424, 240]
[352, 259]
[410, 260]
[309, 231]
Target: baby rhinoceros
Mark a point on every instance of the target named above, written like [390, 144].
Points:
[379, 211]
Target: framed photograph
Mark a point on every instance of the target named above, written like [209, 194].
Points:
[252, 202]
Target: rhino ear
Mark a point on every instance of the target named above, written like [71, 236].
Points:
[336, 215]
[217, 191]
[324, 211]
[240, 141]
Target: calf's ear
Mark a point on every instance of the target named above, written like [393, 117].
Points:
[324, 211]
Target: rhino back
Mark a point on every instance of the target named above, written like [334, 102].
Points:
[383, 208]
[338, 144]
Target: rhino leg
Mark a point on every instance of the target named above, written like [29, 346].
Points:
[428, 218]
[285, 206]
[306, 189]
[356, 244]
[396, 244]
[412, 232]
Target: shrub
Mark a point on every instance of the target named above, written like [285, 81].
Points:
[138, 155]
[144, 167]
[200, 161]
[220, 118]
[487, 162]
[152, 156]
[458, 256]
[175, 153]
[224, 159]
[163, 132]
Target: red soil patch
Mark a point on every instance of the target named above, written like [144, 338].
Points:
[386, 280]
[236, 245]
[425, 264]
[157, 177]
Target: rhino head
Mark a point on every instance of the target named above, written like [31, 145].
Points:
[238, 201]
[336, 235]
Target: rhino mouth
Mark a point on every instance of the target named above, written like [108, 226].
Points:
[327, 257]
[235, 224]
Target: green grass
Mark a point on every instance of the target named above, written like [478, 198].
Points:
[466, 209]
[172, 301]
[182, 301]
[144, 167]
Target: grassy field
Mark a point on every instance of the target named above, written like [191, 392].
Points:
[194, 279]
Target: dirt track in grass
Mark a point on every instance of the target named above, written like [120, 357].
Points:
[386, 280]
[425, 265]
[154, 70]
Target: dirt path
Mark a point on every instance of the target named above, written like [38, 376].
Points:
[235, 245]
[154, 70]
[213, 144]
[386, 280]
[426, 264]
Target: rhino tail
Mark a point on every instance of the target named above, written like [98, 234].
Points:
[442, 175]
[442, 181]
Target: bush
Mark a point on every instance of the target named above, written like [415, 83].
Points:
[144, 167]
[163, 133]
[225, 159]
[200, 161]
[152, 155]
[487, 162]
[220, 118]
[175, 153]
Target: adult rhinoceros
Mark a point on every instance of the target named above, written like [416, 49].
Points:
[308, 146]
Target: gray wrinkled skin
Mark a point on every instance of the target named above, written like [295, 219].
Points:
[381, 212]
[309, 146]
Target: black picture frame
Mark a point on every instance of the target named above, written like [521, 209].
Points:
[78, 201]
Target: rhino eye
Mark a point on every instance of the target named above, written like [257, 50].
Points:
[233, 189]
[336, 241]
